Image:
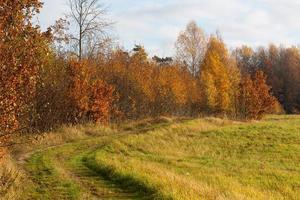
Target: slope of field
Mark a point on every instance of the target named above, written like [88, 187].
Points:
[188, 159]
[252, 161]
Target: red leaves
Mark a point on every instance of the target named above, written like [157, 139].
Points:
[102, 98]
[255, 99]
[92, 98]
[21, 53]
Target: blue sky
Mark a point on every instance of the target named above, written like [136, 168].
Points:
[156, 23]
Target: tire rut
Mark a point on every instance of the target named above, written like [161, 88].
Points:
[67, 160]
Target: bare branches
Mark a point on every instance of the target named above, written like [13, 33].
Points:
[90, 23]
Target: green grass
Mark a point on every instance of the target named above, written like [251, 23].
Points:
[60, 172]
[192, 159]
[47, 182]
[239, 161]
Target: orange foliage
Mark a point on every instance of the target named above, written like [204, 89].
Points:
[114, 83]
[23, 49]
[148, 88]
[102, 101]
[255, 99]
[92, 98]
[170, 91]
[80, 75]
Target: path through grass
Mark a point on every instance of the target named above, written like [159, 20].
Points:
[192, 159]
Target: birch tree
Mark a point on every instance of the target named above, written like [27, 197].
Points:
[191, 46]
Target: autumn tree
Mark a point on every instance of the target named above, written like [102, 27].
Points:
[245, 59]
[80, 76]
[169, 90]
[141, 72]
[22, 50]
[150, 87]
[91, 98]
[60, 36]
[52, 102]
[289, 74]
[234, 76]
[214, 77]
[88, 19]
[115, 71]
[255, 99]
[282, 67]
[102, 101]
[191, 47]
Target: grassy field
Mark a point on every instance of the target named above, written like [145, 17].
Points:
[194, 159]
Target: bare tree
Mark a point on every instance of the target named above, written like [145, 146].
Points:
[191, 46]
[90, 25]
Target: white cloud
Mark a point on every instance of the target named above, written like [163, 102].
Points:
[156, 23]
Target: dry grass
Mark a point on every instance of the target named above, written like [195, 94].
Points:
[210, 159]
[167, 158]
[10, 180]
[13, 178]
[63, 135]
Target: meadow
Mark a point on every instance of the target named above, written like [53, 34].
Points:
[89, 113]
[166, 158]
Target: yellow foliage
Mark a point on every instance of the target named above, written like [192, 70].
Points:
[215, 77]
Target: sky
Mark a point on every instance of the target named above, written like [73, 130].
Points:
[157, 23]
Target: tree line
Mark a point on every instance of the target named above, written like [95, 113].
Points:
[67, 77]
